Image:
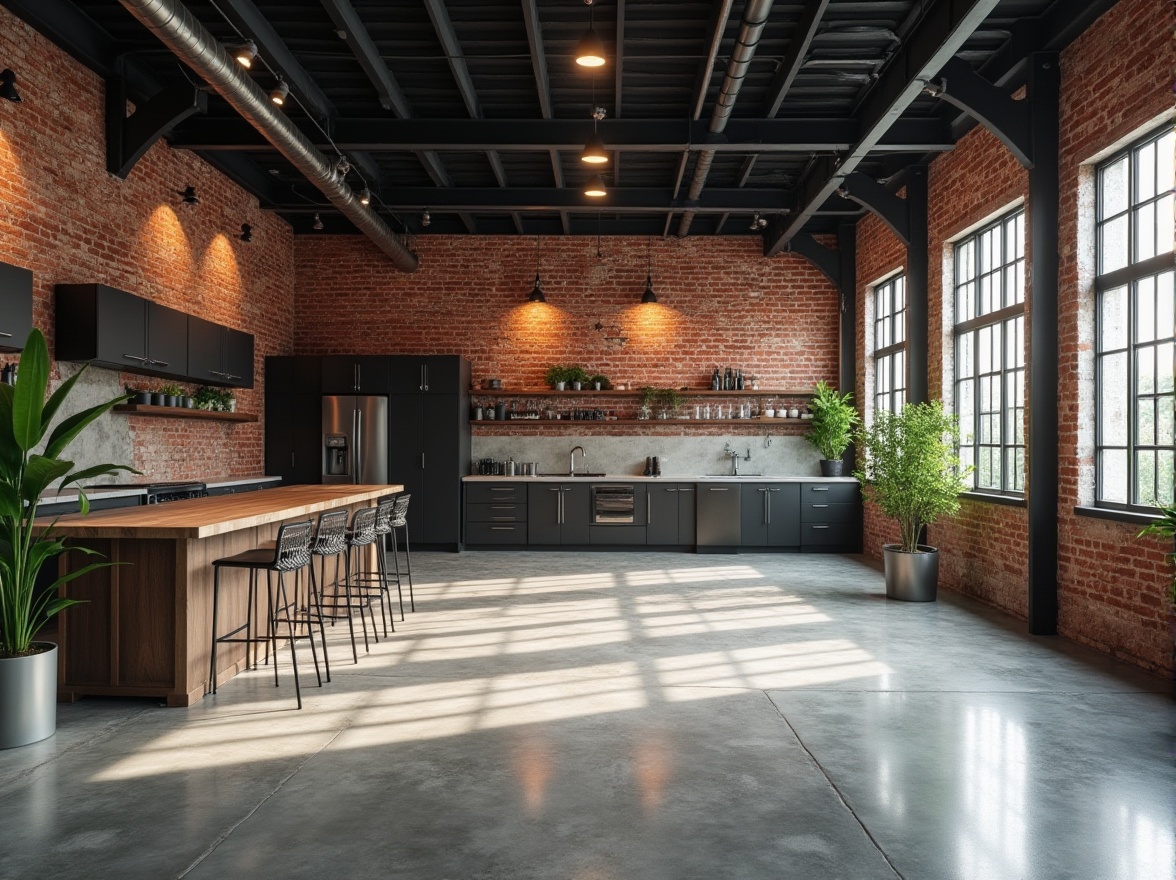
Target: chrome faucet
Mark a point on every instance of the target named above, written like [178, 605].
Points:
[572, 461]
[733, 454]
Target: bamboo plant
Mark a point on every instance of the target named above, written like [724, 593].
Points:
[25, 545]
[834, 420]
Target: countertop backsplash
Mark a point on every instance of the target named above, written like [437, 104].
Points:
[679, 456]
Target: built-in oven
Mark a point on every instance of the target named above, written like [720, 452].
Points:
[613, 505]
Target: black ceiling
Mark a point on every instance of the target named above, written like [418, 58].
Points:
[487, 111]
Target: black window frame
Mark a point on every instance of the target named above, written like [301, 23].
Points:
[887, 355]
[1128, 278]
[1010, 419]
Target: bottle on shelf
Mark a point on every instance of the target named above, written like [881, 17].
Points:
[739, 380]
[715, 380]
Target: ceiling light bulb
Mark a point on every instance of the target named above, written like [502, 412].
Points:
[590, 51]
[595, 187]
[365, 196]
[318, 222]
[246, 232]
[188, 195]
[343, 165]
[8, 86]
[594, 153]
[245, 53]
[426, 219]
[279, 92]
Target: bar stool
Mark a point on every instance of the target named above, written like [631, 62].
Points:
[291, 553]
[330, 540]
[361, 534]
[400, 521]
[385, 512]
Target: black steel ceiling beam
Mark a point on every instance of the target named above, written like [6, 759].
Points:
[129, 137]
[619, 67]
[794, 56]
[618, 200]
[1055, 29]
[826, 259]
[891, 210]
[543, 89]
[800, 136]
[945, 27]
[959, 85]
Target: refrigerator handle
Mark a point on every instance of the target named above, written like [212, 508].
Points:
[355, 370]
[422, 385]
[426, 369]
[358, 418]
[422, 461]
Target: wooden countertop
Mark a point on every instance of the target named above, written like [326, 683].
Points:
[205, 517]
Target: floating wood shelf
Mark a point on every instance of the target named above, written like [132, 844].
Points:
[181, 412]
[604, 423]
[636, 392]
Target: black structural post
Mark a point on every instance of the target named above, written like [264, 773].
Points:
[847, 292]
[918, 376]
[1042, 451]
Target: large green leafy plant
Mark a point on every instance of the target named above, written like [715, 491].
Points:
[911, 467]
[25, 546]
[834, 419]
[1165, 528]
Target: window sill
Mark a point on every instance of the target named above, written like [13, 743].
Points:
[988, 497]
[1124, 516]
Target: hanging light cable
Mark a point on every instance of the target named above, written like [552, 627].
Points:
[590, 51]
[649, 296]
[537, 291]
[594, 153]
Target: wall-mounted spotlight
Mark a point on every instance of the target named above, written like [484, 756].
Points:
[365, 196]
[246, 232]
[245, 53]
[318, 222]
[935, 90]
[8, 86]
[425, 218]
[757, 223]
[279, 92]
[188, 195]
[594, 188]
[590, 51]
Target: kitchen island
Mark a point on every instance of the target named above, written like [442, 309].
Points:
[145, 627]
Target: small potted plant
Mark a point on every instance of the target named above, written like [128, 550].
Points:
[28, 669]
[171, 394]
[205, 398]
[910, 468]
[225, 401]
[668, 402]
[578, 377]
[648, 396]
[556, 377]
[142, 398]
[1165, 527]
[834, 420]
[600, 382]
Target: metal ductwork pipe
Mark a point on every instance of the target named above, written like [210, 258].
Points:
[755, 16]
[192, 43]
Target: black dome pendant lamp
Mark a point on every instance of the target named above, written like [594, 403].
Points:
[536, 295]
[649, 296]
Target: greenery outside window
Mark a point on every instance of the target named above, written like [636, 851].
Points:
[1135, 326]
[990, 354]
[890, 345]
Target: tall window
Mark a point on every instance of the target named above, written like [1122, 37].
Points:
[1135, 351]
[990, 353]
[890, 345]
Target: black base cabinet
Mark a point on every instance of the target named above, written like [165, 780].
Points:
[718, 517]
[496, 514]
[670, 515]
[768, 515]
[558, 514]
[830, 516]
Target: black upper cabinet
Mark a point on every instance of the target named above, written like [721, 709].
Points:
[355, 374]
[16, 306]
[218, 355]
[429, 374]
[293, 374]
[111, 328]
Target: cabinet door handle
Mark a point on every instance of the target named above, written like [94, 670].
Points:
[426, 369]
[160, 363]
[683, 489]
[504, 507]
[502, 518]
[291, 460]
[761, 490]
[819, 488]
[422, 461]
[422, 385]
[671, 490]
[820, 505]
[773, 490]
[231, 376]
[218, 373]
[355, 376]
[5, 335]
[717, 489]
[358, 445]
[506, 489]
[135, 357]
[820, 527]
[648, 508]
[502, 528]
[767, 508]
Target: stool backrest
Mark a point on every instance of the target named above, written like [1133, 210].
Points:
[363, 527]
[384, 515]
[293, 546]
[400, 511]
[331, 536]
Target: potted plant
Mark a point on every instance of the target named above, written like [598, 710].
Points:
[648, 396]
[668, 400]
[834, 420]
[28, 669]
[1165, 527]
[137, 396]
[171, 394]
[556, 377]
[578, 377]
[910, 468]
[600, 382]
[205, 397]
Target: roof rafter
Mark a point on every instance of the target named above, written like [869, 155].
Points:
[543, 89]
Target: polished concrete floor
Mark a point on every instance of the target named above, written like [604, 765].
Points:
[617, 716]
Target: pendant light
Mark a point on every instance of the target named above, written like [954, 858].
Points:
[594, 153]
[245, 53]
[649, 296]
[279, 92]
[594, 188]
[536, 295]
[318, 222]
[8, 86]
[590, 51]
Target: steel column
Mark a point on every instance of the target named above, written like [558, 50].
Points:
[917, 275]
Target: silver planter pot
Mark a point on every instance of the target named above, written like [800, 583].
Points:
[28, 697]
[910, 577]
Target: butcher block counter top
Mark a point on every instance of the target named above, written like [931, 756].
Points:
[216, 515]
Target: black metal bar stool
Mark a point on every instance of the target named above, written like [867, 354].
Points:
[357, 593]
[400, 521]
[385, 511]
[291, 553]
[330, 541]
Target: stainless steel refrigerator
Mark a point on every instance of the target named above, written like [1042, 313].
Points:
[355, 439]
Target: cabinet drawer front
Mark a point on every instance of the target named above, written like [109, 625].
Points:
[833, 493]
[496, 533]
[506, 511]
[828, 512]
[494, 492]
[828, 534]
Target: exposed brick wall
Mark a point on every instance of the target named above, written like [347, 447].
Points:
[64, 217]
[720, 302]
[1111, 586]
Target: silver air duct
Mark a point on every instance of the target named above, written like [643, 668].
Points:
[179, 30]
[755, 16]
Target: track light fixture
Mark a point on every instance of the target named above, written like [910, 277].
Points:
[757, 222]
[365, 196]
[8, 86]
[590, 51]
[594, 153]
[245, 53]
[188, 195]
[246, 232]
[594, 188]
[649, 296]
[318, 222]
[425, 218]
[343, 166]
[536, 295]
[279, 92]
[935, 90]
